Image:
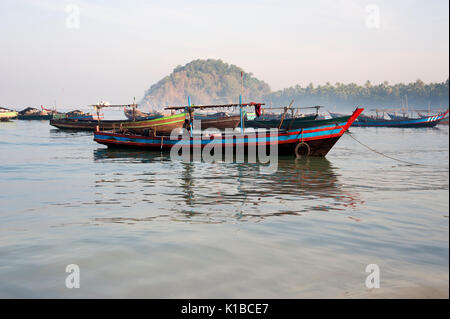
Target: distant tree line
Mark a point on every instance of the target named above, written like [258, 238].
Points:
[416, 95]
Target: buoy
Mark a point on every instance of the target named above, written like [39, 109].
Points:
[302, 145]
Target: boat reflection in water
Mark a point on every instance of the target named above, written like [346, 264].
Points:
[224, 192]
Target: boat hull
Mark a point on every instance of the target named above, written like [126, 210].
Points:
[444, 121]
[35, 117]
[160, 125]
[6, 116]
[313, 141]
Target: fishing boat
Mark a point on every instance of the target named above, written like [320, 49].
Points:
[158, 125]
[312, 141]
[162, 125]
[31, 113]
[429, 121]
[7, 114]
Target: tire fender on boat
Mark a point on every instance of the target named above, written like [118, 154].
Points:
[298, 148]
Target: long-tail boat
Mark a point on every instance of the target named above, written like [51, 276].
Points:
[157, 125]
[429, 121]
[311, 141]
[7, 114]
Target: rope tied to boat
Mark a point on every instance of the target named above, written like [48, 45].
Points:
[375, 151]
[382, 154]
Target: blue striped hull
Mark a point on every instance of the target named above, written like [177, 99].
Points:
[320, 139]
[429, 121]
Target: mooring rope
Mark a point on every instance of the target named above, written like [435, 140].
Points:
[382, 154]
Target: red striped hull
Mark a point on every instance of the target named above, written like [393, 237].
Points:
[316, 140]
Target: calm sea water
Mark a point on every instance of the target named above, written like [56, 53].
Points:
[140, 225]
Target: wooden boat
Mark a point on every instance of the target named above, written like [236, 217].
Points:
[312, 141]
[31, 113]
[429, 121]
[158, 125]
[7, 114]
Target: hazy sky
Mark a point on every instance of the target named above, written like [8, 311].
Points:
[122, 47]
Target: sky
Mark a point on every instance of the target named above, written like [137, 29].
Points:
[75, 53]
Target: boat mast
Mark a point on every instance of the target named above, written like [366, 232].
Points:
[190, 115]
[241, 113]
[97, 109]
[407, 106]
[134, 108]
[403, 107]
